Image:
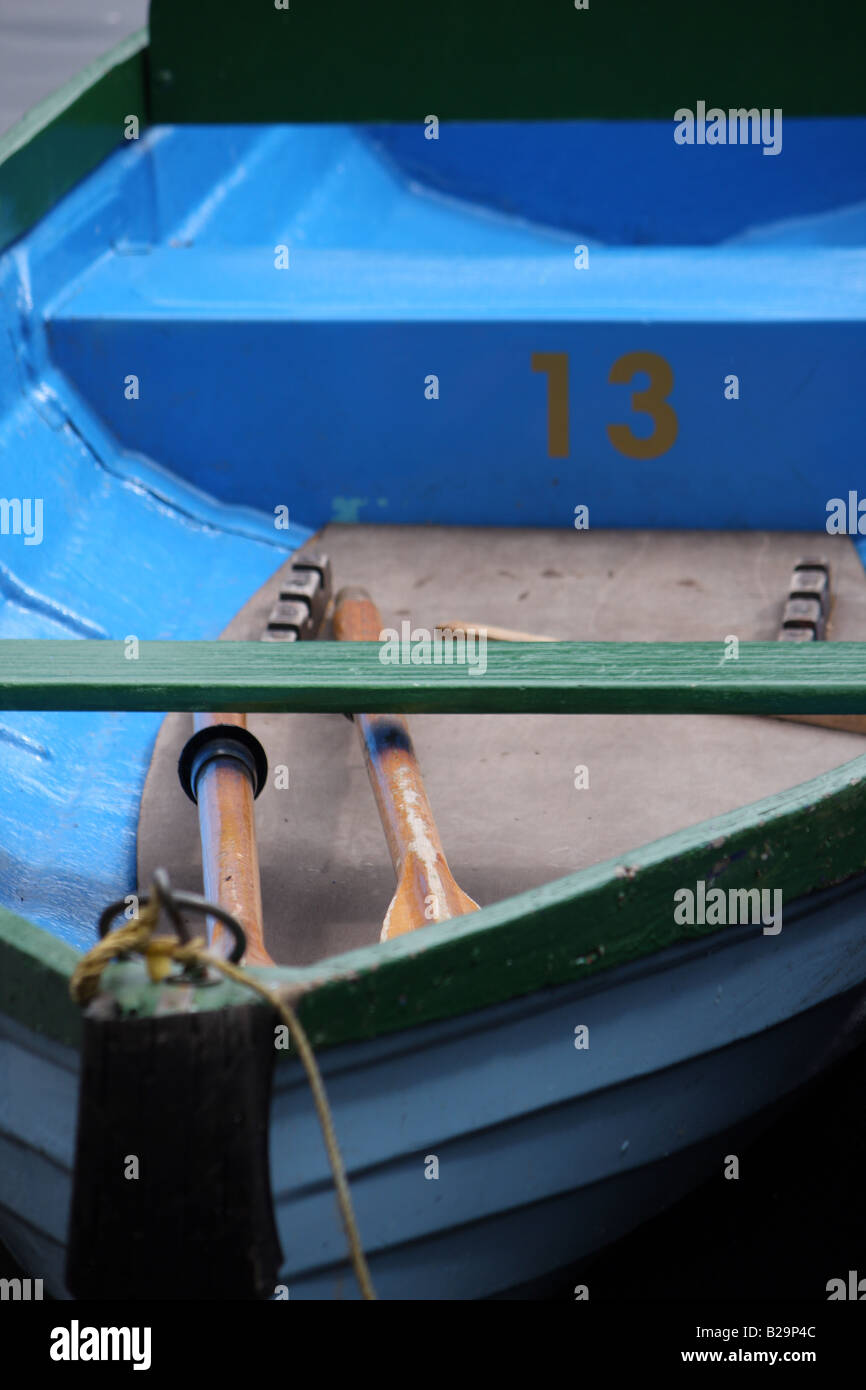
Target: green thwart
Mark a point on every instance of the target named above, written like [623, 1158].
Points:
[542, 678]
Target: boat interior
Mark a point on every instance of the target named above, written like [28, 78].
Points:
[520, 800]
[225, 323]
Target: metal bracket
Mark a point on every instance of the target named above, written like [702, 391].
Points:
[808, 605]
[305, 594]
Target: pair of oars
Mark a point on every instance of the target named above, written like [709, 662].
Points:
[223, 774]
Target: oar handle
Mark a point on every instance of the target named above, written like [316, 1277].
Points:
[356, 617]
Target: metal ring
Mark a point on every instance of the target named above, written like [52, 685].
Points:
[195, 903]
[167, 902]
[173, 901]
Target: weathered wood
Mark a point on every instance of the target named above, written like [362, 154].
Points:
[846, 723]
[171, 1198]
[553, 677]
[426, 888]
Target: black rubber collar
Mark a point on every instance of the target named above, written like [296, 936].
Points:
[222, 741]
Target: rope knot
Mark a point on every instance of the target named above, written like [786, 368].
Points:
[137, 937]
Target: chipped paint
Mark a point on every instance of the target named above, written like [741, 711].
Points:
[347, 509]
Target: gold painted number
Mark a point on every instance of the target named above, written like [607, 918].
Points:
[556, 366]
[653, 402]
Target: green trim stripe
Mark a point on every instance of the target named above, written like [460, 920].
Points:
[35, 969]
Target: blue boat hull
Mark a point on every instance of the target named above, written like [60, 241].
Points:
[546, 1152]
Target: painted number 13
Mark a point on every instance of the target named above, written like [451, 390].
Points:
[653, 402]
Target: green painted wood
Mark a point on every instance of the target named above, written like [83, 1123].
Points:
[35, 969]
[501, 59]
[66, 136]
[802, 840]
[550, 678]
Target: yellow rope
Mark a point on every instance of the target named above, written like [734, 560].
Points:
[159, 952]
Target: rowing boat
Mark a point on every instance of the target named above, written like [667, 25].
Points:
[445, 339]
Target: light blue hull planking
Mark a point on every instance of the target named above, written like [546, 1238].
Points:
[546, 1152]
[305, 387]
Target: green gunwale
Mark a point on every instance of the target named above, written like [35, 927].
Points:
[62, 139]
[802, 841]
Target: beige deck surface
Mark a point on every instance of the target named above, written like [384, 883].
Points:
[502, 786]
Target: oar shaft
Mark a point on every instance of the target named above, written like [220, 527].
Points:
[230, 857]
[392, 766]
[395, 777]
[426, 890]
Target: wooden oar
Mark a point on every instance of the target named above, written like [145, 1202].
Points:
[846, 723]
[224, 789]
[223, 768]
[426, 890]
[494, 634]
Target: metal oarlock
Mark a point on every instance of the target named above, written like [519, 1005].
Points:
[174, 904]
[808, 605]
[300, 609]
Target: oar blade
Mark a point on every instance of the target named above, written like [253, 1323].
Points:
[424, 898]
